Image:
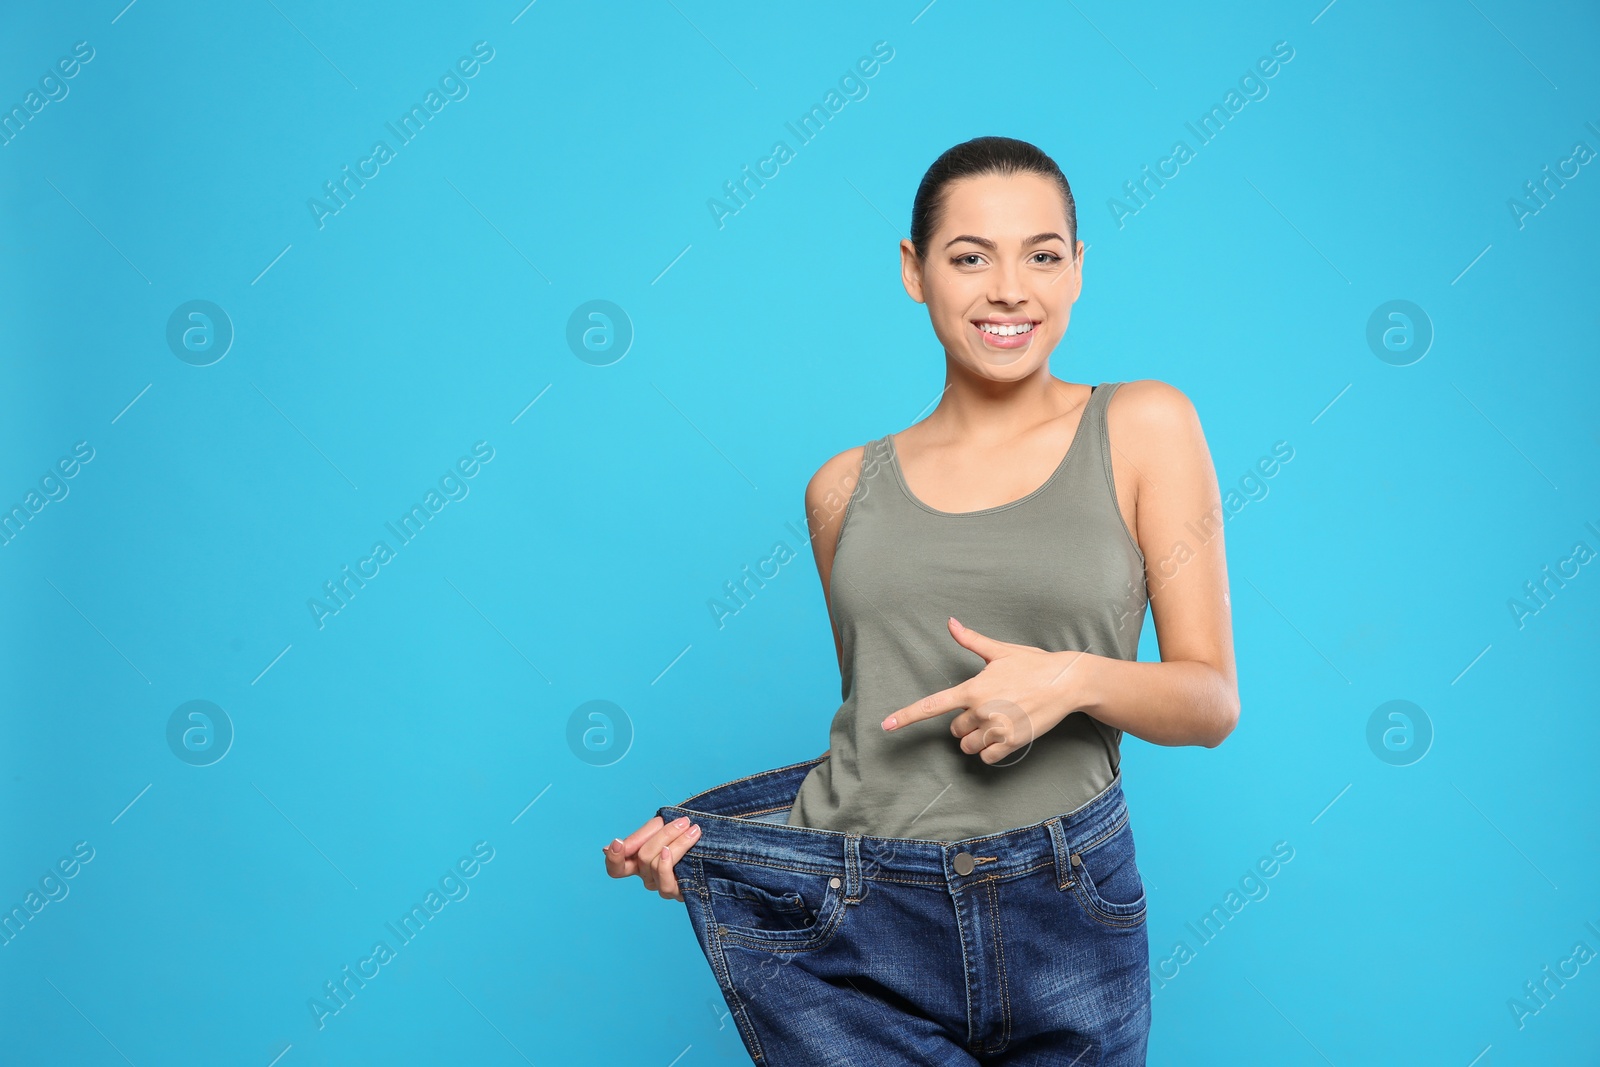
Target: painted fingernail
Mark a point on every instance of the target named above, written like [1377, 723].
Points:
[694, 829]
[890, 723]
[681, 823]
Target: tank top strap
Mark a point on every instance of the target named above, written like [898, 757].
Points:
[1099, 431]
[869, 483]
[1099, 398]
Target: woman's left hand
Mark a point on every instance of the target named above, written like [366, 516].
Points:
[1021, 693]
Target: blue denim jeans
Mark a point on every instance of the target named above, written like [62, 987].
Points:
[1022, 947]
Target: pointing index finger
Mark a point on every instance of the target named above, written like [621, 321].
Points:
[946, 700]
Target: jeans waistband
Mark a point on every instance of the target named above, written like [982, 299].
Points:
[727, 815]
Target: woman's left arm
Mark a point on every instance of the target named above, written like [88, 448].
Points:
[1191, 697]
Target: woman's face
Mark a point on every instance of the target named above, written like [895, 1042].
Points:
[1000, 257]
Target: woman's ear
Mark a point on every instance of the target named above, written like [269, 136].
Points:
[911, 270]
[1077, 274]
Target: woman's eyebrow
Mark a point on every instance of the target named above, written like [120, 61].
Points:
[984, 242]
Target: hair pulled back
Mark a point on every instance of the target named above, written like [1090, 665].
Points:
[983, 155]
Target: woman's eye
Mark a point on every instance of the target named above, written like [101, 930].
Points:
[973, 259]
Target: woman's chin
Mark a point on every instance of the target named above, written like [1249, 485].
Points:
[1007, 364]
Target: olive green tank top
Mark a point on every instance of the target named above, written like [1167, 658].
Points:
[1057, 569]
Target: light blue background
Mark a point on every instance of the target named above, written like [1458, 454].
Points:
[431, 311]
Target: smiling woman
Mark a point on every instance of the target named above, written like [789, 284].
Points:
[956, 877]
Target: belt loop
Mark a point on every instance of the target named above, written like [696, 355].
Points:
[852, 866]
[1058, 841]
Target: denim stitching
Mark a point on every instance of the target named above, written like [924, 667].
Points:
[735, 857]
[904, 881]
[741, 1015]
[966, 963]
[1062, 856]
[975, 842]
[1120, 921]
[739, 820]
[703, 852]
[1108, 918]
[1005, 985]
[875, 840]
[1105, 835]
[750, 940]
[1094, 909]
[996, 878]
[854, 882]
[765, 811]
[719, 965]
[821, 940]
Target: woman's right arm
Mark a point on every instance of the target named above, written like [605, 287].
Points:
[827, 497]
[652, 849]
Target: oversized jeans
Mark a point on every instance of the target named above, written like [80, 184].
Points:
[1022, 947]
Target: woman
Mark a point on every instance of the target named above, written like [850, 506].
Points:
[954, 880]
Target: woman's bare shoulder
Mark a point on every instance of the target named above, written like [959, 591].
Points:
[1157, 430]
[829, 489]
[828, 496]
[1152, 401]
[1150, 417]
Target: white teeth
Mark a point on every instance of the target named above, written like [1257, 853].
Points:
[1006, 331]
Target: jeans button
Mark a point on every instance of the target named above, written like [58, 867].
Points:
[963, 863]
[835, 882]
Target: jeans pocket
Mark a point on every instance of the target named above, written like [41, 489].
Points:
[1106, 879]
[766, 906]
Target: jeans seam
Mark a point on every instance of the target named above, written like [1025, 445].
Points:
[741, 1016]
[766, 811]
[1000, 952]
[930, 882]
[1115, 921]
[1087, 898]
[1075, 881]
[820, 941]
[1105, 835]
[732, 857]
[1041, 865]
[970, 843]
[966, 964]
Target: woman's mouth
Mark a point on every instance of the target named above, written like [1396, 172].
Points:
[1005, 334]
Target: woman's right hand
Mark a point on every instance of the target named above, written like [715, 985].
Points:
[650, 851]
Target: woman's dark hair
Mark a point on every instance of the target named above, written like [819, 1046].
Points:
[983, 155]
